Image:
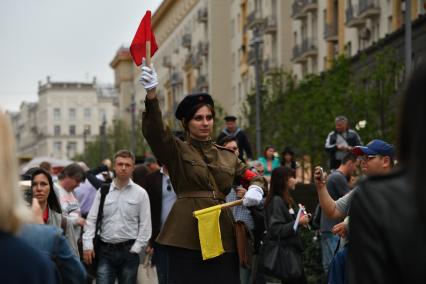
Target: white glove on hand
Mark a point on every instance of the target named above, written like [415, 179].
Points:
[253, 196]
[148, 78]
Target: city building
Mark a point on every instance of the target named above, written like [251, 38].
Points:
[325, 29]
[66, 116]
[206, 46]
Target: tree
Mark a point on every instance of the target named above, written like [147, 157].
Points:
[118, 137]
[300, 114]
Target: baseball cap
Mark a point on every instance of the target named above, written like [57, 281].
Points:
[150, 160]
[375, 147]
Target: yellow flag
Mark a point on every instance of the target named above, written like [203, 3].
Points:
[209, 231]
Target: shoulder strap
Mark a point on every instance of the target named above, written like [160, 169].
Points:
[104, 191]
[64, 225]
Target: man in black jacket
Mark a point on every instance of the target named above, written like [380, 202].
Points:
[161, 197]
[233, 130]
[340, 141]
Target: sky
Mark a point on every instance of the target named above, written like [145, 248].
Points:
[68, 40]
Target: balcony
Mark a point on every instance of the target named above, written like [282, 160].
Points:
[270, 24]
[203, 48]
[297, 54]
[254, 19]
[308, 48]
[352, 17]
[300, 8]
[369, 9]
[270, 66]
[186, 40]
[202, 15]
[330, 32]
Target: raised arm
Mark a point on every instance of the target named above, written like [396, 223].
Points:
[328, 205]
[160, 139]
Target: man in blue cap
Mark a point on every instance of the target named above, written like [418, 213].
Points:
[377, 159]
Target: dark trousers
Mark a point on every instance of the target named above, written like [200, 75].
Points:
[188, 267]
[117, 263]
[161, 261]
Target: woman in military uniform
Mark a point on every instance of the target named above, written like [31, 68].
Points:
[202, 174]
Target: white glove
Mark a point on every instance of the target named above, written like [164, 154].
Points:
[148, 78]
[253, 196]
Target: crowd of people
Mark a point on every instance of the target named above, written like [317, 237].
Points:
[101, 224]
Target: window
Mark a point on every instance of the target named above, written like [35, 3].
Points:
[87, 113]
[102, 113]
[57, 130]
[72, 129]
[71, 149]
[87, 129]
[56, 114]
[71, 113]
[57, 146]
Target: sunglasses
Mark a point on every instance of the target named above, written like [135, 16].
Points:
[371, 157]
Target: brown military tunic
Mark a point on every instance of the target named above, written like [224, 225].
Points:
[193, 166]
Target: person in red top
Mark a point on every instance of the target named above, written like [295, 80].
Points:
[42, 190]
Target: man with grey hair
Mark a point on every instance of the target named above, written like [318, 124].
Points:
[340, 141]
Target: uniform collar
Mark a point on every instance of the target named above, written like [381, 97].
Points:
[200, 144]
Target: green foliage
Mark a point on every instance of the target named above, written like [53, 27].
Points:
[312, 257]
[118, 137]
[300, 115]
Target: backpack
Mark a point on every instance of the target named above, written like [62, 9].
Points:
[316, 218]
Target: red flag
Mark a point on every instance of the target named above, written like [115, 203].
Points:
[143, 34]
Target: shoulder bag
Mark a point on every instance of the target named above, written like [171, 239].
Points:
[280, 259]
[91, 269]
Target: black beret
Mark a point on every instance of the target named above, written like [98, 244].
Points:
[230, 118]
[190, 101]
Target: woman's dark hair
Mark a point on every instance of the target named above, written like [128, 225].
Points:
[288, 150]
[225, 140]
[266, 149]
[191, 113]
[278, 185]
[411, 139]
[52, 200]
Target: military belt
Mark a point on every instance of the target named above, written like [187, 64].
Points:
[202, 194]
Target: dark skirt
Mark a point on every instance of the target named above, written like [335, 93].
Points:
[188, 267]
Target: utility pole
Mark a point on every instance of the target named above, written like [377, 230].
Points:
[133, 114]
[255, 43]
[103, 136]
[408, 62]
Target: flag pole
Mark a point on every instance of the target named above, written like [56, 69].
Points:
[225, 205]
[148, 53]
[231, 204]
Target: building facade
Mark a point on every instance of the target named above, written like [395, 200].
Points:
[66, 117]
[206, 46]
[325, 29]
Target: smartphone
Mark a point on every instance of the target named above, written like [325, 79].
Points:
[322, 173]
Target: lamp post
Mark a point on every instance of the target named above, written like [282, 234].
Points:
[255, 43]
[407, 38]
[103, 132]
[133, 115]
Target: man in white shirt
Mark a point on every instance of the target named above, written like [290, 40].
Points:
[125, 227]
